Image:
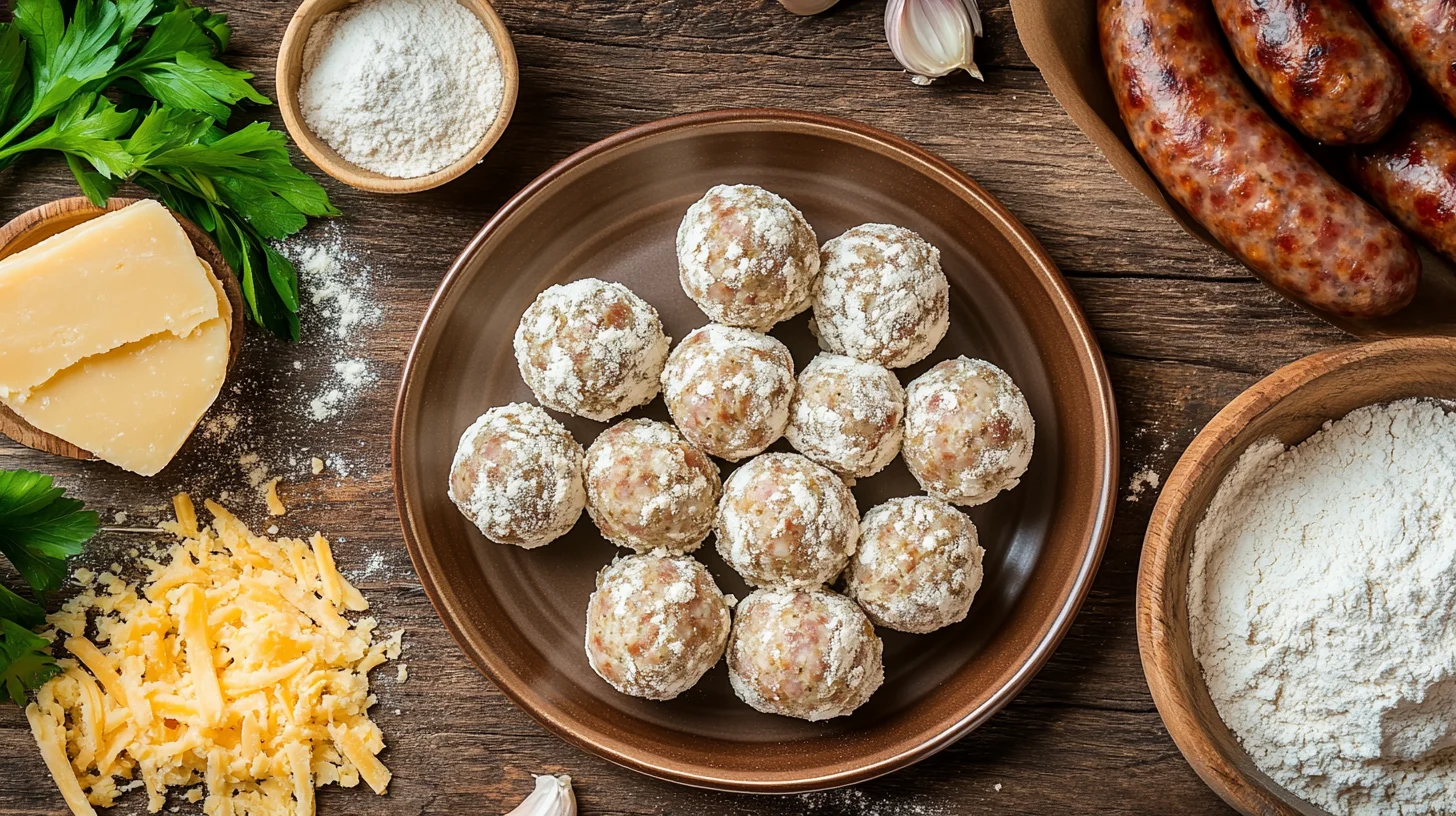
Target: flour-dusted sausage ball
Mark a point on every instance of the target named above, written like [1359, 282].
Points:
[655, 625]
[647, 487]
[881, 296]
[807, 654]
[968, 431]
[729, 390]
[785, 521]
[918, 565]
[517, 475]
[846, 415]
[747, 257]
[591, 348]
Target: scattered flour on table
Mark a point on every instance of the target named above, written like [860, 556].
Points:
[1141, 482]
[855, 802]
[1322, 603]
[339, 289]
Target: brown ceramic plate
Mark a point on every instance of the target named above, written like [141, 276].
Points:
[612, 211]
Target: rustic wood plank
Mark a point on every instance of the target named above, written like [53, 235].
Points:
[1184, 327]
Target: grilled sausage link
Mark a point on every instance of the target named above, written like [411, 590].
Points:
[1238, 173]
[1423, 32]
[1411, 174]
[1319, 64]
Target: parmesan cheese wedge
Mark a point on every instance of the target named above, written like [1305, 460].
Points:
[135, 405]
[116, 279]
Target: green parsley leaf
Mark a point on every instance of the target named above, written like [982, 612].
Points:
[25, 660]
[196, 83]
[87, 126]
[12, 65]
[13, 607]
[65, 58]
[40, 528]
[133, 14]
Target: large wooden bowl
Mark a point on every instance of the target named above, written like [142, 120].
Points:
[612, 211]
[290, 76]
[33, 226]
[1290, 404]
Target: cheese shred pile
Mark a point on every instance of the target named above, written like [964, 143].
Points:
[231, 667]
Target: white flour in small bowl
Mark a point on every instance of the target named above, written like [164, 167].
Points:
[1322, 604]
[401, 87]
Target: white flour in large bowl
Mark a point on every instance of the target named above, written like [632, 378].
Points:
[1321, 602]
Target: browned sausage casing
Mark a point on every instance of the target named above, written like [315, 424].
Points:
[1319, 64]
[1424, 33]
[1411, 174]
[1238, 173]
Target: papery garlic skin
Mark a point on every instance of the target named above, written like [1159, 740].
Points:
[932, 38]
[552, 797]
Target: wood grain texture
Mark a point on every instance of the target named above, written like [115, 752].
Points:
[1185, 329]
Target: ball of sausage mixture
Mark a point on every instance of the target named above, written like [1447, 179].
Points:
[785, 521]
[807, 654]
[729, 390]
[847, 414]
[517, 475]
[968, 431]
[881, 296]
[747, 257]
[648, 488]
[918, 565]
[655, 625]
[591, 348]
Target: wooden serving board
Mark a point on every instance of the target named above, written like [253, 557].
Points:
[35, 225]
[1184, 328]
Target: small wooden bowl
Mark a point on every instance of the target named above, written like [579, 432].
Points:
[1290, 404]
[290, 75]
[33, 226]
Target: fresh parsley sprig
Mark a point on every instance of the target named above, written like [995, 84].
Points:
[58, 77]
[39, 530]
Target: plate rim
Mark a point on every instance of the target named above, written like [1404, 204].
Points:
[1104, 429]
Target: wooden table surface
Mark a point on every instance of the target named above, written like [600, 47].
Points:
[1184, 329]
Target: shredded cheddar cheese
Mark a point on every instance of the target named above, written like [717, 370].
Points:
[231, 667]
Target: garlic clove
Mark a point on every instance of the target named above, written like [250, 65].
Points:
[552, 797]
[932, 38]
[804, 8]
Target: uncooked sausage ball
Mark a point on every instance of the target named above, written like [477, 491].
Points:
[591, 348]
[655, 625]
[785, 521]
[747, 257]
[968, 431]
[517, 475]
[918, 565]
[807, 654]
[846, 415]
[729, 390]
[647, 487]
[881, 296]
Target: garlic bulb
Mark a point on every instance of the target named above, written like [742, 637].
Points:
[932, 38]
[552, 797]
[804, 8]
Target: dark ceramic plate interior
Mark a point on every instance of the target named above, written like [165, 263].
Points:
[612, 212]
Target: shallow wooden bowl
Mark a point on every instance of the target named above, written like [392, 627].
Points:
[1290, 404]
[290, 75]
[33, 226]
[612, 211]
